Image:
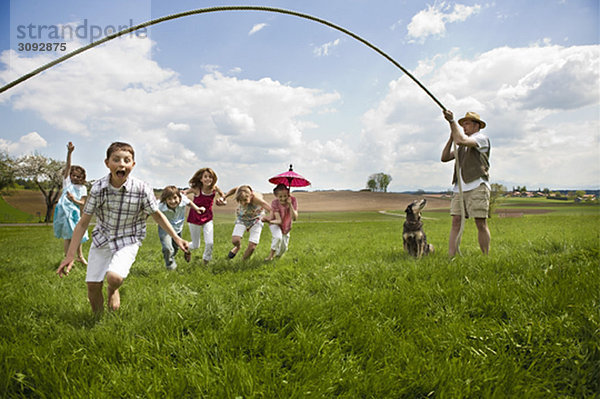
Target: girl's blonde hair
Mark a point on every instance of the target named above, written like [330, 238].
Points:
[240, 190]
[196, 180]
[168, 192]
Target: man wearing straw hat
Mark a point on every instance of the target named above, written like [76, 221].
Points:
[473, 149]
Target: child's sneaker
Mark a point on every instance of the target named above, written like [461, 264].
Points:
[172, 266]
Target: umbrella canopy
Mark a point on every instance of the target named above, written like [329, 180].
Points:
[290, 179]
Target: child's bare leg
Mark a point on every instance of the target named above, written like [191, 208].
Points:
[80, 255]
[95, 296]
[271, 255]
[237, 243]
[114, 281]
[249, 250]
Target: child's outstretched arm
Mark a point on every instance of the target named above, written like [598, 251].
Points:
[190, 190]
[230, 193]
[257, 199]
[221, 199]
[276, 218]
[78, 232]
[79, 202]
[162, 221]
[70, 148]
[198, 209]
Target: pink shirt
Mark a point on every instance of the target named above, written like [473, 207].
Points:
[285, 213]
[207, 202]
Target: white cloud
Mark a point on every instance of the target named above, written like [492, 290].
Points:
[539, 86]
[220, 121]
[324, 49]
[432, 21]
[541, 114]
[256, 28]
[27, 144]
[178, 127]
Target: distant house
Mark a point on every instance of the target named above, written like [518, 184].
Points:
[588, 197]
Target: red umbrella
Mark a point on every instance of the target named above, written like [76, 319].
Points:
[290, 179]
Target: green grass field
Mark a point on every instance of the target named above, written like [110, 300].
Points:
[9, 214]
[345, 313]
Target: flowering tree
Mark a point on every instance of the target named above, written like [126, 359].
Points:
[47, 175]
[7, 171]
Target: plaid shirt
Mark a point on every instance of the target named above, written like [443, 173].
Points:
[121, 213]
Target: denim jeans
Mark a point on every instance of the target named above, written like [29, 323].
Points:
[169, 248]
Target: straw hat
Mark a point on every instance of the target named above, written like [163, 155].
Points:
[473, 116]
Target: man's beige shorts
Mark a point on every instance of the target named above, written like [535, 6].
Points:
[477, 202]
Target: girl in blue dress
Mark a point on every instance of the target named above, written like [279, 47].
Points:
[67, 210]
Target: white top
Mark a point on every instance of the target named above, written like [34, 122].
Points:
[483, 144]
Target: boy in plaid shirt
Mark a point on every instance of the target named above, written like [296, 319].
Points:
[121, 204]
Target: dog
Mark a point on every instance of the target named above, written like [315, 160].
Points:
[413, 236]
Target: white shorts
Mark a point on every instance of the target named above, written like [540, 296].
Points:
[103, 260]
[240, 229]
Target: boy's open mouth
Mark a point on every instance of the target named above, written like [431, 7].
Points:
[120, 173]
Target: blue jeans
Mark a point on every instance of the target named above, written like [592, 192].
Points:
[169, 248]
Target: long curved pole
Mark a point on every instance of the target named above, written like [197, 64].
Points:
[235, 8]
[217, 9]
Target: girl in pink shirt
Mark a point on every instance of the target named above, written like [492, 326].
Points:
[284, 209]
[204, 187]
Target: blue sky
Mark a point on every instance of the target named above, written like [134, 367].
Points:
[248, 93]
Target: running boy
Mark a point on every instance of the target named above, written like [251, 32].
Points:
[121, 204]
[173, 205]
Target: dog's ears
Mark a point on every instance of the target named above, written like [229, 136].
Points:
[409, 209]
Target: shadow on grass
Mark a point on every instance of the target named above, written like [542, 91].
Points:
[396, 255]
[236, 265]
[80, 318]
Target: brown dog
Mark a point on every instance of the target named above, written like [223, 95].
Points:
[415, 241]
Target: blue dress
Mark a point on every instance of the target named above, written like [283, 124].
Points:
[66, 212]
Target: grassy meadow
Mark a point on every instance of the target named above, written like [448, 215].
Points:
[345, 313]
[9, 214]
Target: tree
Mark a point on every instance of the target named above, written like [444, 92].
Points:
[379, 182]
[47, 175]
[7, 170]
[384, 181]
[372, 184]
[496, 192]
